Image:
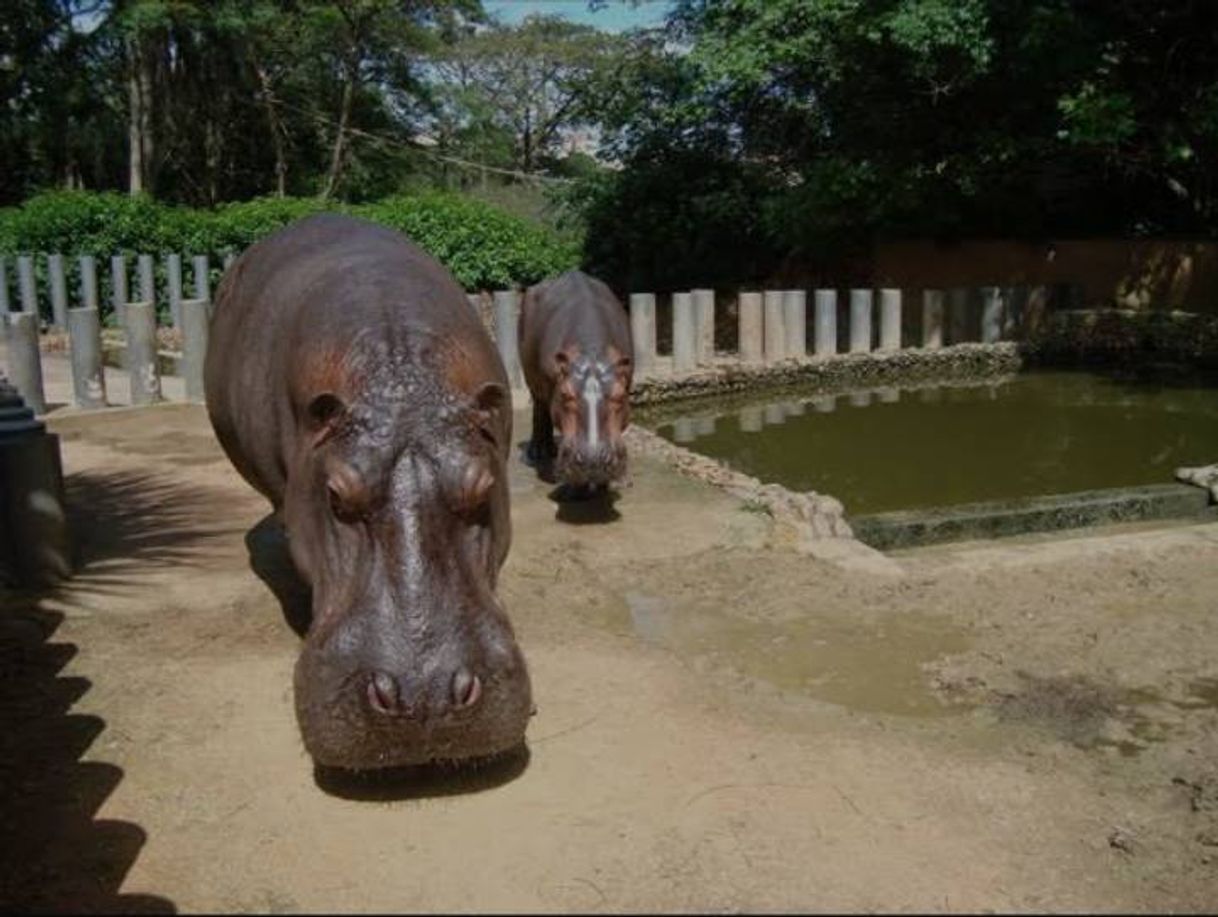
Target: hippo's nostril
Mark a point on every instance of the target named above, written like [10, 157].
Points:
[467, 688]
[383, 694]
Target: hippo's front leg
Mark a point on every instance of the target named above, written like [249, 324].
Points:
[541, 447]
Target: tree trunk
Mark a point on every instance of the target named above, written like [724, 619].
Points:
[277, 132]
[340, 140]
[136, 119]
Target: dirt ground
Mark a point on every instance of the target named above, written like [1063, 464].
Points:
[1020, 726]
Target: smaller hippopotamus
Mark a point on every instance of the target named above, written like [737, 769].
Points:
[574, 341]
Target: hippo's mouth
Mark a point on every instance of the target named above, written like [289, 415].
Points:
[341, 730]
[582, 466]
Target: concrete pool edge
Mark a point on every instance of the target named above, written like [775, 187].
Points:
[1054, 512]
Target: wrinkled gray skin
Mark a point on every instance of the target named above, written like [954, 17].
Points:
[575, 351]
[348, 380]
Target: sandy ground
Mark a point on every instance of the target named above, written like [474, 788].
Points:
[1018, 726]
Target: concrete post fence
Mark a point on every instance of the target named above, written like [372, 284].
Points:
[751, 327]
[147, 276]
[88, 282]
[28, 286]
[142, 353]
[684, 332]
[932, 319]
[704, 314]
[795, 322]
[643, 332]
[24, 358]
[4, 300]
[173, 282]
[774, 327]
[860, 321]
[119, 294]
[84, 341]
[195, 325]
[507, 311]
[59, 291]
[825, 331]
[202, 277]
[992, 307]
[890, 319]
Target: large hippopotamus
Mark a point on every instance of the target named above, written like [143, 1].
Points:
[350, 383]
[575, 351]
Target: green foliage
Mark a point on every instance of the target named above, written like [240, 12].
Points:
[482, 246]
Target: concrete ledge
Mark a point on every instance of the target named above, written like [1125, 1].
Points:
[905, 529]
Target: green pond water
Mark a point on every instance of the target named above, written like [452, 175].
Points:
[887, 449]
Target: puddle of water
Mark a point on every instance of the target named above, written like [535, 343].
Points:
[873, 667]
[888, 449]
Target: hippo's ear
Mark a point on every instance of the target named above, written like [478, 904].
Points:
[489, 400]
[326, 411]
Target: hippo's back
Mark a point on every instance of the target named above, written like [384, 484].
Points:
[300, 297]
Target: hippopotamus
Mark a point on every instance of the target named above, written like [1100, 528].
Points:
[349, 382]
[575, 351]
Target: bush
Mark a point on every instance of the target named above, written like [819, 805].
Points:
[482, 246]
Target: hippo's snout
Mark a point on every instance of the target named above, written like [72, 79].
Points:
[362, 705]
[579, 463]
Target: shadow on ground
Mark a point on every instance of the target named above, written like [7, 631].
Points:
[428, 781]
[55, 855]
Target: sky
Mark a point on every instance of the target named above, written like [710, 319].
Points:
[615, 17]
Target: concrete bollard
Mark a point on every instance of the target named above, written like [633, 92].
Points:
[59, 291]
[859, 399]
[173, 283]
[824, 404]
[860, 321]
[889, 394]
[705, 426]
[88, 282]
[825, 331]
[84, 342]
[992, 307]
[704, 318]
[751, 420]
[227, 261]
[4, 300]
[195, 324]
[507, 311]
[147, 275]
[932, 319]
[1012, 318]
[24, 358]
[750, 327]
[35, 547]
[1035, 310]
[643, 332]
[890, 319]
[202, 276]
[774, 414]
[28, 286]
[958, 315]
[794, 409]
[775, 339]
[118, 288]
[795, 323]
[684, 333]
[142, 353]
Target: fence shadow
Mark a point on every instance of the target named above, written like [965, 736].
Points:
[55, 856]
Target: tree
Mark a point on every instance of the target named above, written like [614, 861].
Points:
[529, 83]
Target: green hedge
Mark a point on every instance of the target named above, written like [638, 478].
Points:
[484, 248]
